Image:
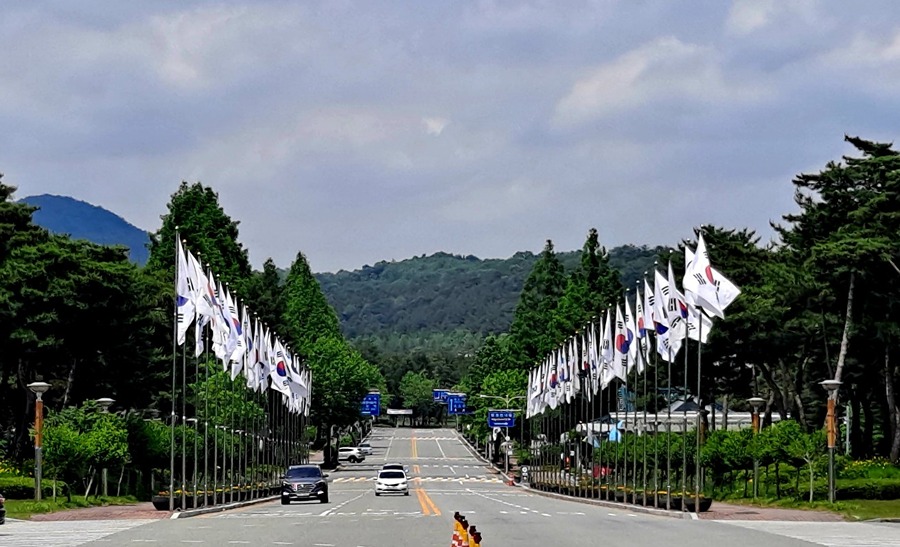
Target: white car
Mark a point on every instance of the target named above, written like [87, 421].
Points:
[391, 482]
[395, 467]
[365, 448]
[350, 454]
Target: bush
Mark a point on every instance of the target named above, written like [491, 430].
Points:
[868, 489]
[22, 488]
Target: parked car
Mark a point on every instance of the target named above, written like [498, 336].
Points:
[350, 454]
[391, 482]
[395, 467]
[365, 448]
[304, 482]
[2, 510]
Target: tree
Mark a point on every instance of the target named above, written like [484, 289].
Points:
[534, 312]
[265, 296]
[210, 234]
[307, 315]
[416, 392]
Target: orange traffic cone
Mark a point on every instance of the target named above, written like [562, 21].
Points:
[474, 537]
[464, 536]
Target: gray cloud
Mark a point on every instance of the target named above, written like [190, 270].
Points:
[360, 131]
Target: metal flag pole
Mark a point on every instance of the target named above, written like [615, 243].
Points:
[174, 382]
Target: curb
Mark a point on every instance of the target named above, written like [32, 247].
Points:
[601, 503]
[219, 508]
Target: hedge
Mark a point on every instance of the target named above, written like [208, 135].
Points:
[22, 488]
[867, 489]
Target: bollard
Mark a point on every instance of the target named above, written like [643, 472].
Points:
[456, 539]
[464, 535]
[475, 540]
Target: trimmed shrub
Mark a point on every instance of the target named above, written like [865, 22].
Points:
[868, 489]
[22, 488]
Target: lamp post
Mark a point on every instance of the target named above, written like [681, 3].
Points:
[38, 388]
[831, 386]
[755, 404]
[507, 399]
[104, 403]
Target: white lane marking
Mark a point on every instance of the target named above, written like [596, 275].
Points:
[438, 443]
[283, 543]
[611, 514]
[388, 451]
[335, 508]
[545, 514]
[452, 470]
[192, 541]
[323, 544]
[241, 542]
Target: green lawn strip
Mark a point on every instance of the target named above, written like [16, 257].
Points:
[859, 509]
[871, 509]
[24, 509]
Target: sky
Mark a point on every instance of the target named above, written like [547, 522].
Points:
[364, 131]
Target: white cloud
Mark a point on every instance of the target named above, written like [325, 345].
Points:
[435, 126]
[486, 200]
[666, 68]
[749, 16]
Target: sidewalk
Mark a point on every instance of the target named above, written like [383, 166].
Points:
[728, 511]
[143, 510]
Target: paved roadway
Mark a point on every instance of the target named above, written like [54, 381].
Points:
[447, 477]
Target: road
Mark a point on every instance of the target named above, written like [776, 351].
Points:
[447, 477]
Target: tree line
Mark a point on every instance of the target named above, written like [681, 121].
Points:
[819, 302]
[83, 318]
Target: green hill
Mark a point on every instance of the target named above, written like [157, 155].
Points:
[443, 302]
[81, 220]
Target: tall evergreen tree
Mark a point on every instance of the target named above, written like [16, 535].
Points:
[530, 330]
[307, 315]
[210, 233]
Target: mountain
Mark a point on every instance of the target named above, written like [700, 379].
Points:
[445, 301]
[81, 220]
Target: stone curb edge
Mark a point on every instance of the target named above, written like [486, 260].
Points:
[600, 503]
[219, 508]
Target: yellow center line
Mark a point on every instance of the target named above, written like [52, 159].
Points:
[421, 495]
[416, 469]
[415, 451]
[431, 504]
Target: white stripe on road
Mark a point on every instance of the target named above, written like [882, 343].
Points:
[335, 508]
[438, 443]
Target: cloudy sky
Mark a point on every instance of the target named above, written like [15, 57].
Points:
[366, 131]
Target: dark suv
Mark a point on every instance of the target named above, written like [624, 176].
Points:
[304, 482]
[2, 510]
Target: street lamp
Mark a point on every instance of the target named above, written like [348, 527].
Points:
[38, 388]
[507, 399]
[831, 386]
[755, 404]
[104, 403]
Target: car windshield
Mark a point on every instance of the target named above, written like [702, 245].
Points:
[392, 475]
[392, 466]
[303, 473]
[364, 444]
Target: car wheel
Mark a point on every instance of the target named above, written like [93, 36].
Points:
[325, 499]
[351, 459]
[285, 501]
[406, 493]
[377, 494]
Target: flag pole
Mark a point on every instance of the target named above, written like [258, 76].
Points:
[174, 380]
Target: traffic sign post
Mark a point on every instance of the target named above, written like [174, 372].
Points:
[505, 419]
[371, 405]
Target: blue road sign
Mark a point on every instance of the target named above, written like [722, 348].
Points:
[456, 403]
[501, 418]
[371, 405]
[440, 395]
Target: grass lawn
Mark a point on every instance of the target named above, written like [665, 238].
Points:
[23, 509]
[870, 509]
[852, 509]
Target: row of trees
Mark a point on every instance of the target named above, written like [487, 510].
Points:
[72, 310]
[820, 303]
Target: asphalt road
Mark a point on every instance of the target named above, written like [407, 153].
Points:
[447, 477]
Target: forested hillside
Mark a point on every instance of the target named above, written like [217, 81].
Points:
[444, 302]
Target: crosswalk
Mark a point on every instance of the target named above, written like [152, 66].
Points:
[831, 534]
[492, 480]
[24, 533]
[424, 465]
[417, 438]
